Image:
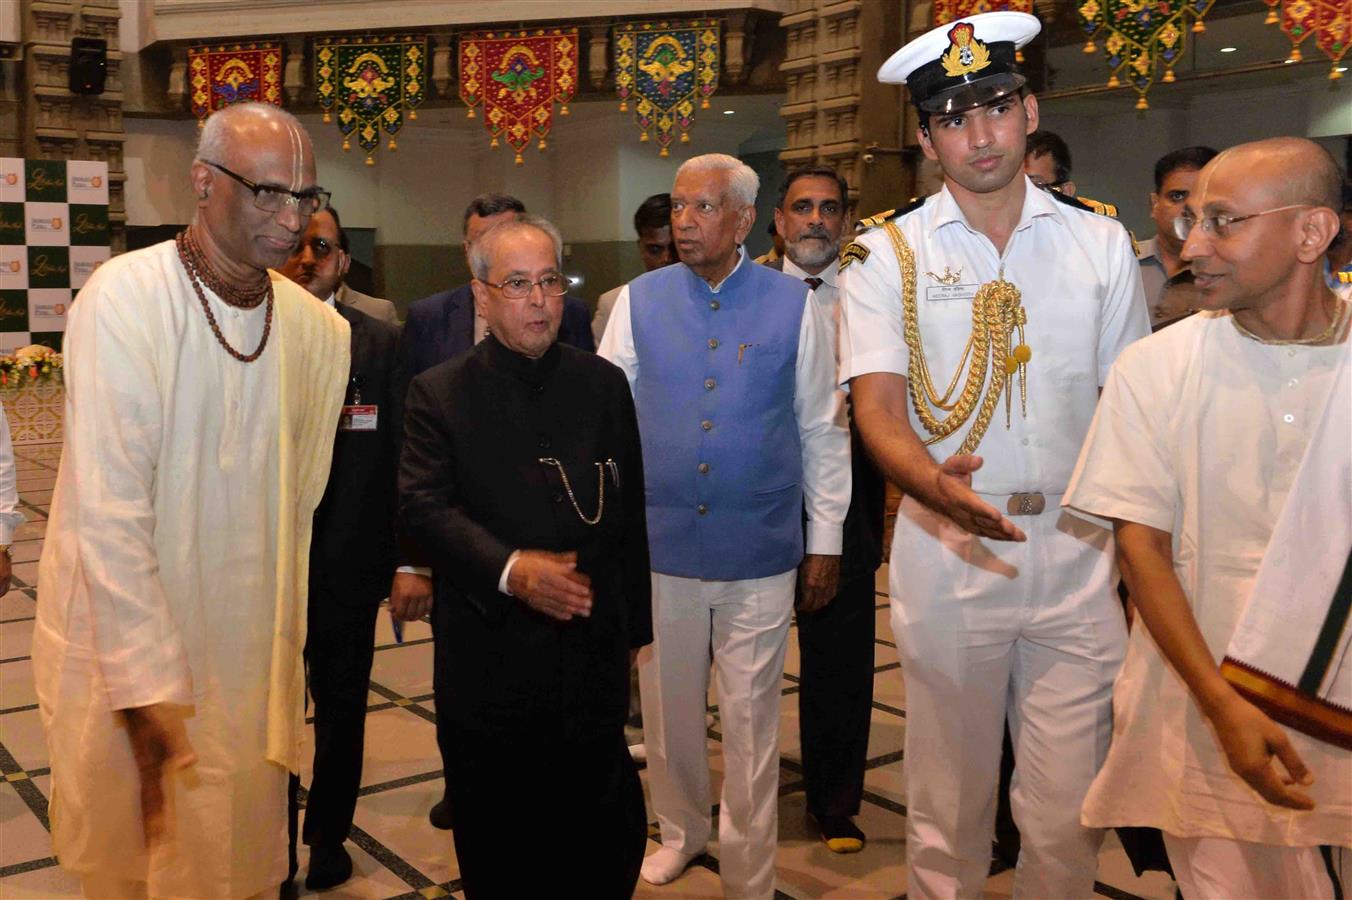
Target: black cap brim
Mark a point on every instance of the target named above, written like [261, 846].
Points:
[976, 92]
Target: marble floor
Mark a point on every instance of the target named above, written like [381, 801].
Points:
[395, 851]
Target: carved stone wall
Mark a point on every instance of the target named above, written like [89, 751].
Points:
[53, 123]
[835, 111]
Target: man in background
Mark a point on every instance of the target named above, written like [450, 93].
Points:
[1167, 279]
[324, 247]
[652, 223]
[1047, 162]
[835, 638]
[352, 554]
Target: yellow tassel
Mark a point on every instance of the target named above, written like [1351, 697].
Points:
[1168, 76]
[1018, 56]
[664, 152]
[1113, 82]
[542, 145]
[327, 117]
[1271, 17]
[563, 110]
[685, 138]
[643, 137]
[369, 160]
[493, 144]
[704, 104]
[1089, 46]
[519, 160]
[1141, 104]
[201, 123]
[1198, 27]
[1295, 56]
[413, 115]
[393, 145]
[624, 106]
[1334, 74]
[347, 145]
[470, 113]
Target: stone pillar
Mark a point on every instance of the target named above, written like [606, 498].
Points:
[835, 111]
[56, 124]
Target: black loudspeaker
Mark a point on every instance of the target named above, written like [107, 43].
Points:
[88, 65]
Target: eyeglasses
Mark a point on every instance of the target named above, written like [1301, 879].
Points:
[271, 198]
[1220, 225]
[518, 287]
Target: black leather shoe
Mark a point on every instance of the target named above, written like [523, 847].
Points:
[440, 816]
[330, 866]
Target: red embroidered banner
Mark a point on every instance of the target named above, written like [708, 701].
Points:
[1330, 21]
[946, 11]
[234, 73]
[517, 77]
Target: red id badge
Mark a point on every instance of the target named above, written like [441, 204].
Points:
[359, 417]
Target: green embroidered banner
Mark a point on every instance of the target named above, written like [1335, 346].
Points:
[370, 81]
[665, 67]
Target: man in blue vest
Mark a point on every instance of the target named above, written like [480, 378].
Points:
[731, 365]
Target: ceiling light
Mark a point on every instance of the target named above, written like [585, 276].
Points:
[728, 112]
[1229, 49]
[1287, 62]
[1341, 69]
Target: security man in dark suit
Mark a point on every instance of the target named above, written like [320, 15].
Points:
[353, 555]
[445, 325]
[521, 477]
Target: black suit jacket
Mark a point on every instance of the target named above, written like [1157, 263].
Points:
[353, 547]
[441, 326]
[862, 551]
[474, 488]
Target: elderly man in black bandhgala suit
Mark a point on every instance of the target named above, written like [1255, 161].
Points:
[521, 479]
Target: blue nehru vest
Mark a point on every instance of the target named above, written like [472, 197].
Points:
[715, 391]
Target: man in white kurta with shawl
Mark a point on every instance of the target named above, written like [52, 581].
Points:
[201, 392]
[1194, 452]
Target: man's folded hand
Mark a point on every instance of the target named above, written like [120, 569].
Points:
[551, 584]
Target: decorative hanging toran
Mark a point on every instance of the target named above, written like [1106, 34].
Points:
[234, 73]
[1330, 21]
[518, 76]
[371, 81]
[664, 67]
[1140, 36]
[946, 11]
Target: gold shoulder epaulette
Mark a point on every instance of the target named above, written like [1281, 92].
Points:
[875, 220]
[1098, 206]
[1345, 277]
[851, 252]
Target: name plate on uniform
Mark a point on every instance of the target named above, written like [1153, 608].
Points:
[937, 292]
[359, 417]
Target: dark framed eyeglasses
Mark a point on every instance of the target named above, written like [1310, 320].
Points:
[271, 198]
[518, 286]
[1220, 225]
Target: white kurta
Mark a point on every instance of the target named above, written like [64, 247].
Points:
[159, 579]
[1200, 433]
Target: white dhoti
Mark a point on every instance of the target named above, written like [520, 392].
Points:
[985, 629]
[1211, 868]
[745, 624]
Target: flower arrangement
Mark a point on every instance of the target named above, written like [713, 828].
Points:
[33, 363]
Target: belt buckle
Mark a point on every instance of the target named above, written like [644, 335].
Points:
[1026, 504]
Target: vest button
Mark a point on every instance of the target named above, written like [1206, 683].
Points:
[713, 343]
[713, 304]
[707, 425]
[702, 510]
[709, 384]
[704, 468]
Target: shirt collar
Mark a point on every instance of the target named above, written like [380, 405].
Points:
[827, 275]
[519, 365]
[1036, 204]
[1147, 250]
[741, 260]
[332, 300]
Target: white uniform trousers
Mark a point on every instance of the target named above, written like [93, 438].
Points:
[987, 629]
[742, 627]
[1212, 868]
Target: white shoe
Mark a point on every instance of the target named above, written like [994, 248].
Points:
[666, 865]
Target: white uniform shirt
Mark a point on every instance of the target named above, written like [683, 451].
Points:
[11, 517]
[1081, 289]
[1200, 433]
[816, 405]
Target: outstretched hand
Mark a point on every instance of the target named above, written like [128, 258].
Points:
[953, 496]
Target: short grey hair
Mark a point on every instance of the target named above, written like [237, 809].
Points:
[213, 144]
[481, 251]
[743, 182]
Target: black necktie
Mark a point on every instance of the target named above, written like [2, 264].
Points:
[813, 282]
